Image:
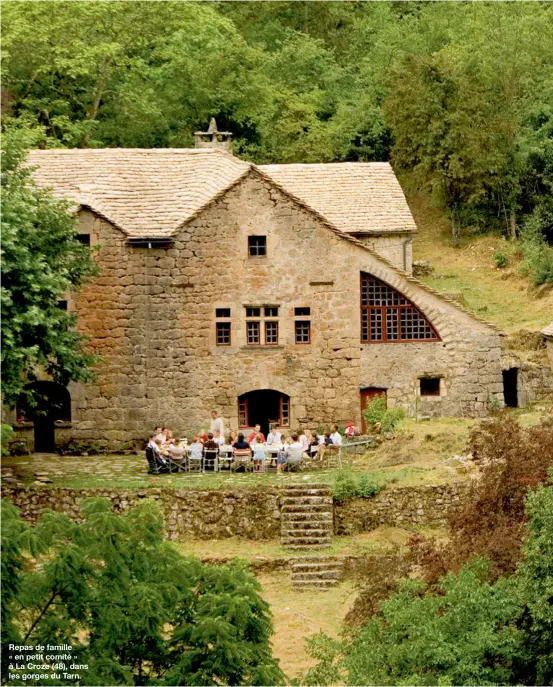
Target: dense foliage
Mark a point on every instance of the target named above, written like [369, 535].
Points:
[134, 609]
[491, 522]
[466, 630]
[41, 262]
[461, 95]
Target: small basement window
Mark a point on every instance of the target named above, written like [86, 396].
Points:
[257, 246]
[62, 305]
[222, 312]
[430, 386]
[84, 239]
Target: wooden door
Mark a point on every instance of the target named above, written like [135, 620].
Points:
[368, 395]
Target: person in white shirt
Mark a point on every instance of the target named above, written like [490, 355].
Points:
[217, 424]
[304, 441]
[336, 437]
[196, 449]
[292, 455]
[160, 435]
[218, 439]
[274, 436]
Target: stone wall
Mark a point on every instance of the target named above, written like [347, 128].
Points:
[249, 513]
[397, 248]
[150, 316]
[404, 506]
[217, 514]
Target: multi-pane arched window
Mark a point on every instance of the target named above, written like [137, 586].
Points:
[388, 317]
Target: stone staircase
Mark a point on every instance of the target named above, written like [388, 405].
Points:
[316, 573]
[306, 517]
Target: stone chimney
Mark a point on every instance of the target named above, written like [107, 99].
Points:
[213, 138]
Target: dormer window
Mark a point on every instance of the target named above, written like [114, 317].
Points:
[257, 246]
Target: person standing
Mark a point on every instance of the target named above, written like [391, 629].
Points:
[217, 424]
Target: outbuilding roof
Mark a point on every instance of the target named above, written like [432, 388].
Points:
[358, 197]
[152, 192]
[548, 331]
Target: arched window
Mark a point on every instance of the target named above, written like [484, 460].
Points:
[388, 317]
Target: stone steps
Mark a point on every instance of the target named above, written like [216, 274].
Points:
[316, 573]
[306, 516]
[307, 525]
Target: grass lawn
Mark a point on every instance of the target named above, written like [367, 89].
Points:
[415, 456]
[502, 296]
[298, 615]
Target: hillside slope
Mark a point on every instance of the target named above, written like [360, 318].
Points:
[469, 274]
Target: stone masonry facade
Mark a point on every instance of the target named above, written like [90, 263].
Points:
[151, 316]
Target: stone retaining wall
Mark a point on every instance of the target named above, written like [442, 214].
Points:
[216, 514]
[425, 505]
[248, 513]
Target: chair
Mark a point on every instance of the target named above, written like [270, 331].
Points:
[156, 464]
[195, 462]
[332, 457]
[210, 461]
[242, 457]
[225, 458]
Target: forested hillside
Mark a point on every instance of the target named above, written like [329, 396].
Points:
[458, 95]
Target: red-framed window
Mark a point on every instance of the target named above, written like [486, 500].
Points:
[223, 332]
[271, 333]
[253, 333]
[388, 317]
[303, 331]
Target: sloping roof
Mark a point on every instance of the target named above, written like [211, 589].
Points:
[145, 192]
[152, 192]
[358, 197]
[548, 331]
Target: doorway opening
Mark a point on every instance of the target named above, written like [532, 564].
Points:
[368, 394]
[54, 405]
[510, 387]
[263, 407]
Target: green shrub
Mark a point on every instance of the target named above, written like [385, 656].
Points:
[7, 434]
[389, 420]
[347, 487]
[500, 259]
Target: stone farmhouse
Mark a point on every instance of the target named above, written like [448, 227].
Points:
[272, 293]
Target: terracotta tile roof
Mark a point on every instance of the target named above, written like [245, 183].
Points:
[152, 192]
[145, 192]
[548, 331]
[357, 197]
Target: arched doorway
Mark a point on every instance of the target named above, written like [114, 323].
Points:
[263, 407]
[54, 404]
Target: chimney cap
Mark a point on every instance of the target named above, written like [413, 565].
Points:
[213, 138]
[212, 130]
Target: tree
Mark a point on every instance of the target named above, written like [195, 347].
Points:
[466, 630]
[41, 262]
[135, 610]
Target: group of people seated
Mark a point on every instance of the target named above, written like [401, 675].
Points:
[164, 450]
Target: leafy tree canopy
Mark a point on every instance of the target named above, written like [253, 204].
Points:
[41, 262]
[134, 609]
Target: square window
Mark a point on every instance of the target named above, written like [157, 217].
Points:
[222, 312]
[84, 239]
[302, 312]
[271, 333]
[430, 386]
[223, 333]
[253, 312]
[303, 332]
[62, 305]
[257, 246]
[253, 333]
[271, 311]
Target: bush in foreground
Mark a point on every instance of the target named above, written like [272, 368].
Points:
[466, 630]
[135, 610]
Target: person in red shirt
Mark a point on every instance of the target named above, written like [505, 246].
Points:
[257, 433]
